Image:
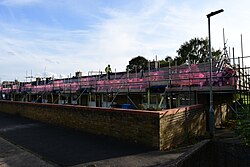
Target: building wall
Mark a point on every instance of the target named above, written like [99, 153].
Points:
[222, 103]
[223, 112]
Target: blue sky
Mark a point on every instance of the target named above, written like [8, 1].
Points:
[60, 37]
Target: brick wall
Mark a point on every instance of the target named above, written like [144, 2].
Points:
[130, 125]
[157, 129]
[227, 153]
[180, 124]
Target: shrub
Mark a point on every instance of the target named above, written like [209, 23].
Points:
[243, 124]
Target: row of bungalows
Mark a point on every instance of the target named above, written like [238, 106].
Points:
[143, 82]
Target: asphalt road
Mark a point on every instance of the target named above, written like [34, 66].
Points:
[64, 147]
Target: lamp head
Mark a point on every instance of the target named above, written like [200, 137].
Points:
[214, 13]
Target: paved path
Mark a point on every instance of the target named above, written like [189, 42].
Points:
[227, 136]
[38, 144]
[14, 156]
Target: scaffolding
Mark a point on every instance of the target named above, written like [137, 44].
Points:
[165, 87]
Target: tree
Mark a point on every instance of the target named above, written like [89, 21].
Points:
[197, 50]
[137, 63]
[166, 61]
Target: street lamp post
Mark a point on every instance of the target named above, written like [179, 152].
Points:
[211, 110]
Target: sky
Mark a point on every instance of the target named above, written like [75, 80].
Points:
[57, 38]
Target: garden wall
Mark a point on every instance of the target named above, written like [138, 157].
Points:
[156, 129]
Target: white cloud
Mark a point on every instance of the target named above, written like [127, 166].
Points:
[156, 28]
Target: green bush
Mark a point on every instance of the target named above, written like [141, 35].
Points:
[243, 124]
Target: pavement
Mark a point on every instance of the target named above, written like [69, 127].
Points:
[14, 156]
[25, 142]
[227, 135]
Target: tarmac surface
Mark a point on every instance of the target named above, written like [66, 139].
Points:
[25, 142]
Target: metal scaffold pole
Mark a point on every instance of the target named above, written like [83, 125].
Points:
[235, 83]
[239, 75]
[242, 64]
